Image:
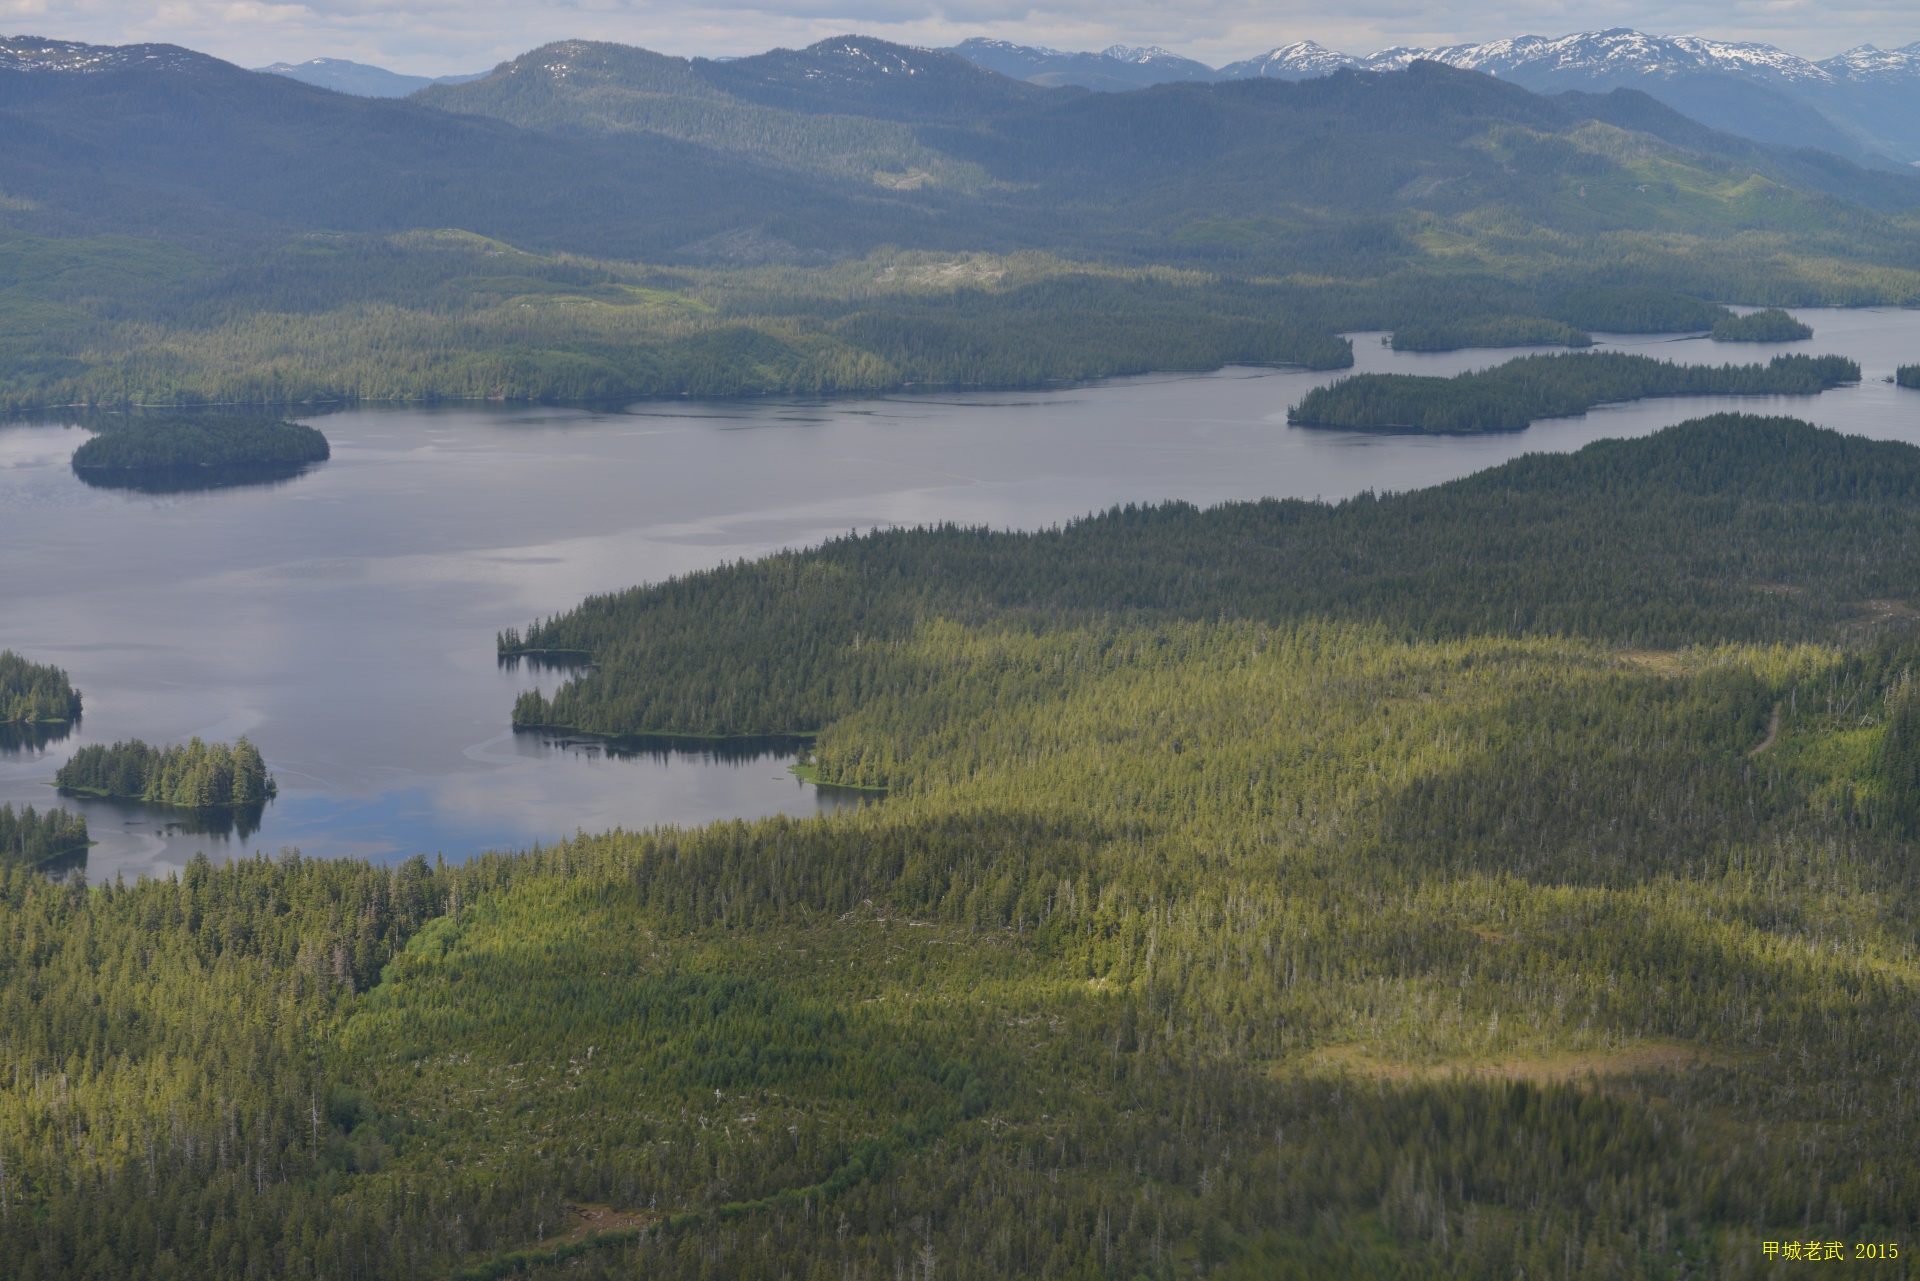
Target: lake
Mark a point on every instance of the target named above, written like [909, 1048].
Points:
[344, 619]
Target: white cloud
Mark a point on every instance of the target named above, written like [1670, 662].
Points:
[443, 36]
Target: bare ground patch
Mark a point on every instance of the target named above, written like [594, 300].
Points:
[1663, 661]
[1886, 611]
[1647, 1056]
[583, 1219]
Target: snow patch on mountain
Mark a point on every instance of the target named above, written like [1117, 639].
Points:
[1868, 63]
[33, 53]
[1301, 60]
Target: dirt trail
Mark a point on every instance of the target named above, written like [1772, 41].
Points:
[1773, 732]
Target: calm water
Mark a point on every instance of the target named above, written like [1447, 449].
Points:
[344, 619]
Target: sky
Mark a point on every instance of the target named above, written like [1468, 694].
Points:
[440, 37]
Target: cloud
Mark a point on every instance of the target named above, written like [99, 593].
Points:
[444, 36]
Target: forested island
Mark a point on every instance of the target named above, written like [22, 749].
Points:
[171, 444]
[1907, 376]
[1771, 325]
[1510, 396]
[35, 693]
[31, 838]
[191, 775]
[1492, 331]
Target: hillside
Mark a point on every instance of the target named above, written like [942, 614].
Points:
[1714, 546]
[854, 216]
[191, 148]
[581, 86]
[606, 133]
[1462, 917]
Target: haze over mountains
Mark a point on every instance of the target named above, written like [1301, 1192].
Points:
[619, 151]
[360, 78]
[1864, 103]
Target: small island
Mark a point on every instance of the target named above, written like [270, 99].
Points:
[33, 838]
[171, 445]
[35, 693]
[1771, 325]
[1489, 331]
[1908, 376]
[195, 775]
[1509, 396]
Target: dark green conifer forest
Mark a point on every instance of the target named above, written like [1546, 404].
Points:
[32, 836]
[31, 693]
[1509, 396]
[191, 775]
[1771, 325]
[1368, 889]
[172, 443]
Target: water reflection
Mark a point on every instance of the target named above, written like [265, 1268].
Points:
[238, 822]
[664, 747]
[29, 737]
[193, 480]
[550, 660]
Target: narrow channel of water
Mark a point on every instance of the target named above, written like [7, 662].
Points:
[344, 618]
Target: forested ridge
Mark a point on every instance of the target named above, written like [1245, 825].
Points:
[1510, 396]
[1209, 928]
[1730, 527]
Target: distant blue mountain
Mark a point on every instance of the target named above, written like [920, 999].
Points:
[1863, 104]
[1112, 70]
[359, 78]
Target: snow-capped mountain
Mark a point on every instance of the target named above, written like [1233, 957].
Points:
[1865, 103]
[1868, 63]
[1301, 60]
[1617, 52]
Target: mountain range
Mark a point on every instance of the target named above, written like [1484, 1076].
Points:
[855, 142]
[1864, 103]
[359, 78]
